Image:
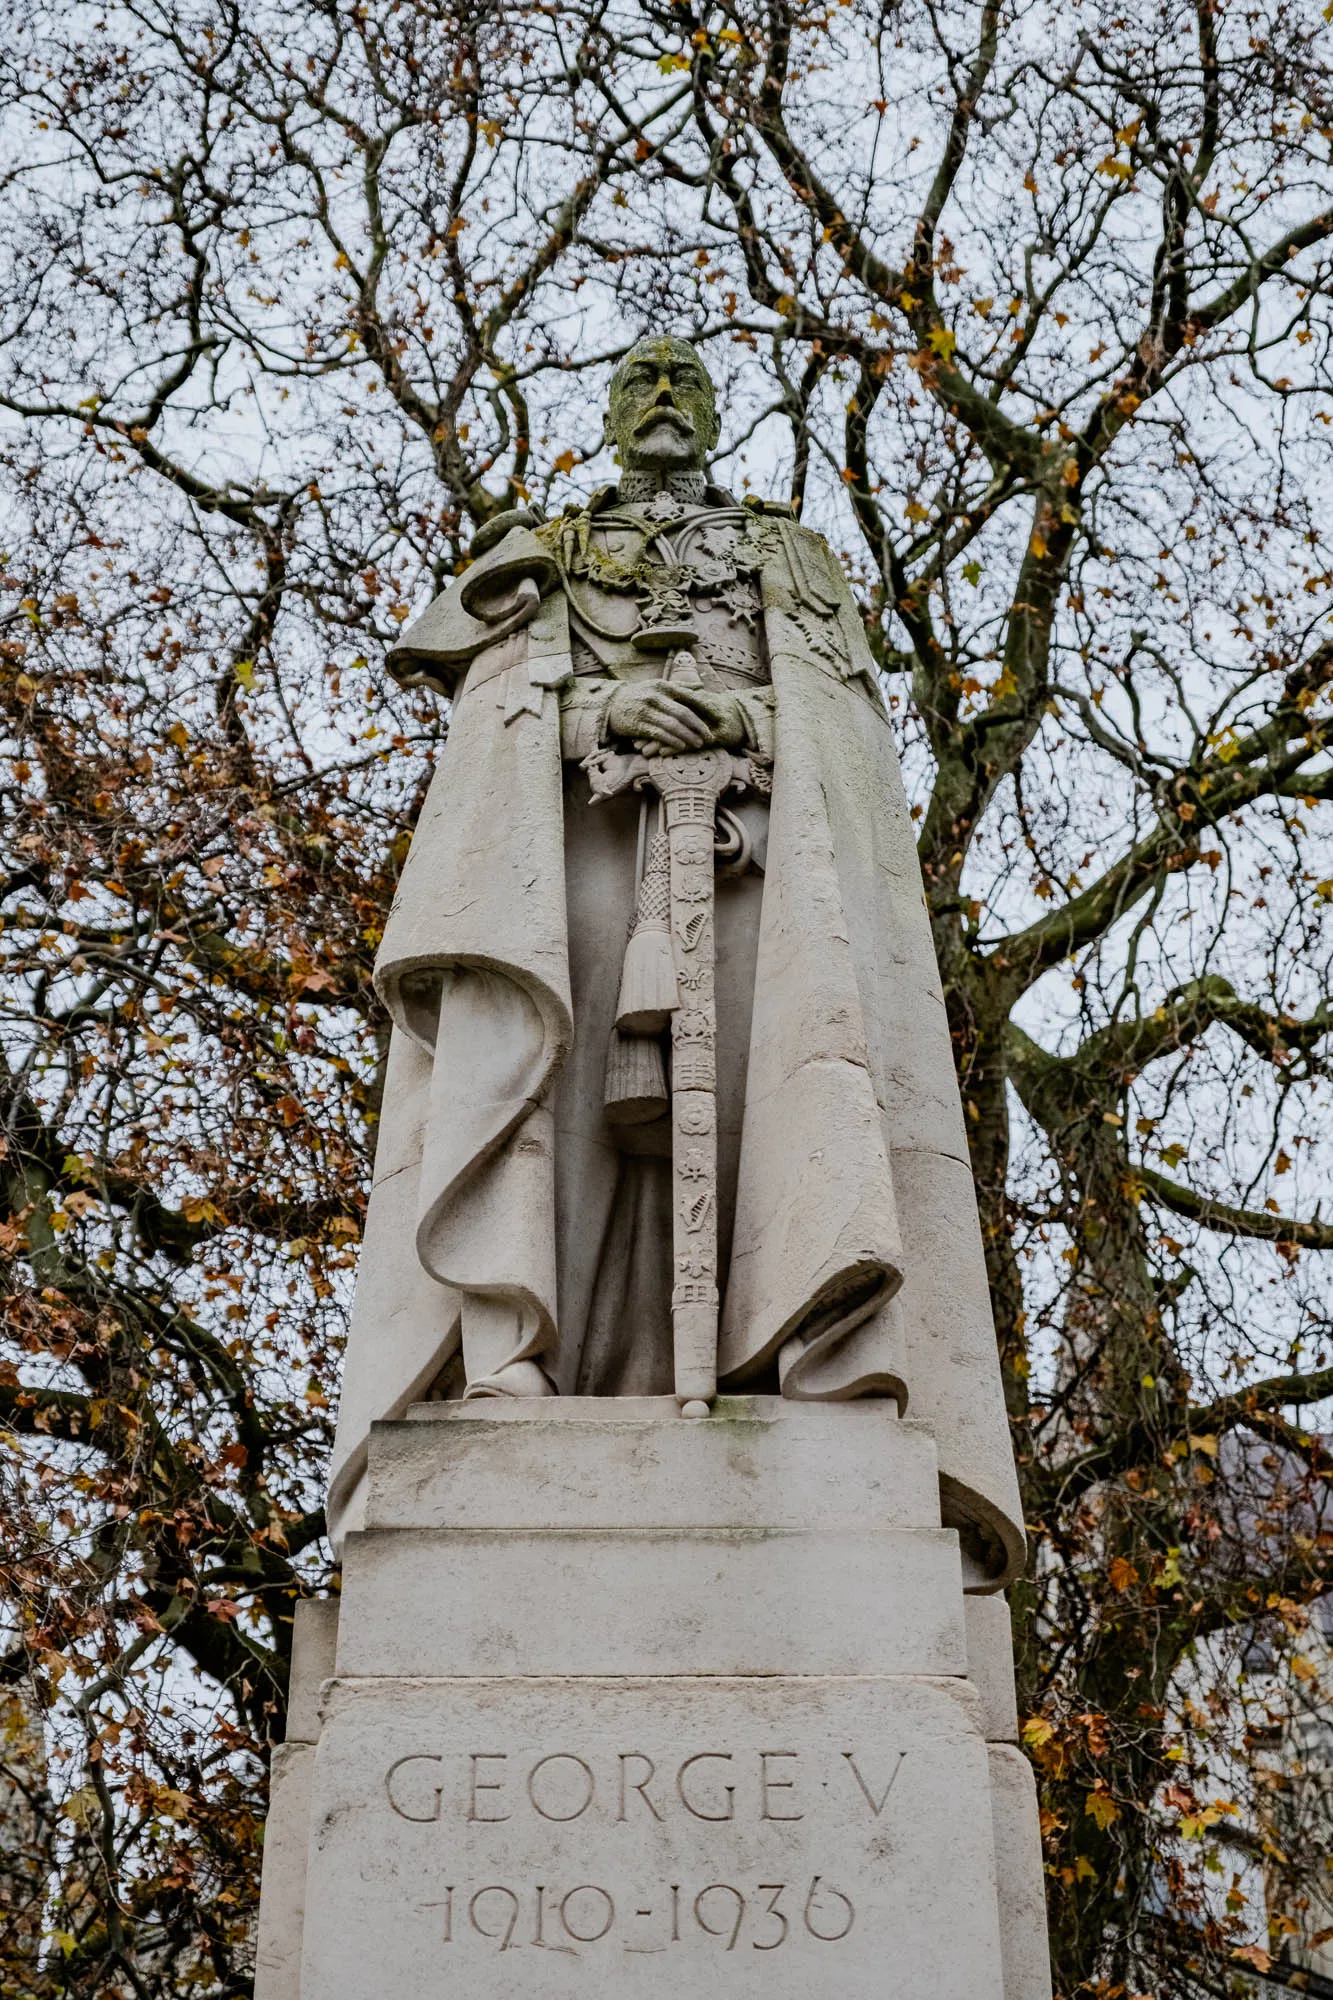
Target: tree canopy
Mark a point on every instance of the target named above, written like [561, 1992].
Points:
[1027, 306]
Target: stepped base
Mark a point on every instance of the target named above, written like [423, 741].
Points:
[627, 1706]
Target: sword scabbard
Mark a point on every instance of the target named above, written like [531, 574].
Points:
[690, 787]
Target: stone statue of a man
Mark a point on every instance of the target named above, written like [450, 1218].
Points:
[589, 1125]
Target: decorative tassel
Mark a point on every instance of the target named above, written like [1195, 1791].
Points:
[636, 1087]
[648, 991]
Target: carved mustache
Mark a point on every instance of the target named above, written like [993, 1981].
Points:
[665, 414]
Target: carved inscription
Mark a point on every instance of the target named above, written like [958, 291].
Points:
[766, 1850]
[543, 1917]
[717, 1787]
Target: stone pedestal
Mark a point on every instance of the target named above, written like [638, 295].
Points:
[625, 1705]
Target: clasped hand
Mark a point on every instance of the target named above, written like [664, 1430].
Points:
[660, 715]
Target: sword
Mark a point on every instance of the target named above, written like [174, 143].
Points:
[689, 785]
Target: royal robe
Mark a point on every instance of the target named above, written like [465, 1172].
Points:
[856, 1264]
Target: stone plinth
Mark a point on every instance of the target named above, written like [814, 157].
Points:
[625, 1705]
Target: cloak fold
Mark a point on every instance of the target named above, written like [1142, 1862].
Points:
[856, 1259]
[474, 966]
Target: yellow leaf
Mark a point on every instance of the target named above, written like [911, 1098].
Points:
[1116, 170]
[1101, 1808]
[565, 462]
[178, 734]
[942, 341]
[915, 511]
[1304, 1670]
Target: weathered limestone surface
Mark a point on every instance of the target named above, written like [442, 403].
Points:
[282, 1890]
[638, 1690]
[990, 1666]
[728, 1550]
[745, 1837]
[1022, 1893]
[1019, 1881]
[585, 1455]
[730, 1151]
[725, 1600]
[753, 1736]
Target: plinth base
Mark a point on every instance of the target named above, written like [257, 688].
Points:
[630, 1706]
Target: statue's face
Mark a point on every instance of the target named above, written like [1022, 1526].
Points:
[663, 416]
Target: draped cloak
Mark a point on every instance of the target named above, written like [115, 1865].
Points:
[856, 1262]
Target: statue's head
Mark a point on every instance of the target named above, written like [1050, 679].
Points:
[663, 414]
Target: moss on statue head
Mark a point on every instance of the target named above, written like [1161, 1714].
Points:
[663, 412]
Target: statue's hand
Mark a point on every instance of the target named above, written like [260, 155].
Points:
[653, 713]
[721, 711]
[658, 715]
